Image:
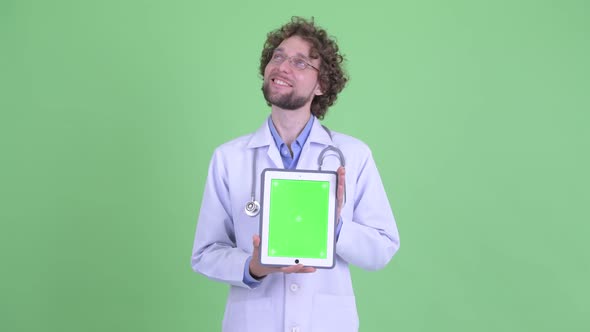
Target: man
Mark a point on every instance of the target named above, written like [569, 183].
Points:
[302, 75]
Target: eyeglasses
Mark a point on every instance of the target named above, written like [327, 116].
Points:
[296, 62]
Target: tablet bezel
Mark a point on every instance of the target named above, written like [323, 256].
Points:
[268, 175]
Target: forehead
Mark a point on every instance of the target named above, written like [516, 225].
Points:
[295, 45]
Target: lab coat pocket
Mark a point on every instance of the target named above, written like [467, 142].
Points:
[334, 313]
[253, 315]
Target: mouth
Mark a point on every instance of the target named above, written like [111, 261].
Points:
[281, 82]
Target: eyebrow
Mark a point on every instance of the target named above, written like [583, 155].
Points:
[280, 49]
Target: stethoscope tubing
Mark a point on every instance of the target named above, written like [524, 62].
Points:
[253, 206]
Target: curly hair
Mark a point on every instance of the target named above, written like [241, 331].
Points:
[332, 77]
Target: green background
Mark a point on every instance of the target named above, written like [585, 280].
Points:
[298, 218]
[476, 113]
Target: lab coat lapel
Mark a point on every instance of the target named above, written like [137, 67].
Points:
[273, 154]
[261, 138]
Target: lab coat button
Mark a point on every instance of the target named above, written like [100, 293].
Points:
[294, 287]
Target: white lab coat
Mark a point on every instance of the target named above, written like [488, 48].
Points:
[314, 302]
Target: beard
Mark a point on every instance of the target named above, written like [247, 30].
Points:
[285, 101]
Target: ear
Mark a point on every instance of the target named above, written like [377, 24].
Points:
[318, 90]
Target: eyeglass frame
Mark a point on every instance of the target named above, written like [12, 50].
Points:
[290, 59]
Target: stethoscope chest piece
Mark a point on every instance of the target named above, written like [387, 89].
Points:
[252, 208]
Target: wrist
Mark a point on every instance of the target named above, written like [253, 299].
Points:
[258, 275]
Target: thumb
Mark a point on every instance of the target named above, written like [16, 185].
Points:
[256, 241]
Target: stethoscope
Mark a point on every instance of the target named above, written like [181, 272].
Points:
[253, 207]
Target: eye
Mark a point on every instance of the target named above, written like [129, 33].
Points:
[299, 63]
[278, 57]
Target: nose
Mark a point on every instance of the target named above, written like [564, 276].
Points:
[285, 66]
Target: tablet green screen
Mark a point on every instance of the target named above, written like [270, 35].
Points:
[298, 218]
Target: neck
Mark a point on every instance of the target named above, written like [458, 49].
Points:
[289, 124]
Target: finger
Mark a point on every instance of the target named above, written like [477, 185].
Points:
[299, 268]
[292, 268]
[341, 172]
[256, 246]
[341, 179]
[340, 196]
[307, 269]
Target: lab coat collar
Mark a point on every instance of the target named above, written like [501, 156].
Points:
[263, 136]
[318, 134]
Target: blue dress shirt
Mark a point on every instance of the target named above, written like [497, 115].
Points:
[290, 161]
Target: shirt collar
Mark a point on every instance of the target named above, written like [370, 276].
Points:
[300, 140]
[263, 136]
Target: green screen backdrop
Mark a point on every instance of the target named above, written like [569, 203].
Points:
[477, 114]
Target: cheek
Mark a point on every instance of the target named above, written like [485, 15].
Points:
[267, 71]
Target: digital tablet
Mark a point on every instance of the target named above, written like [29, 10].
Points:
[298, 217]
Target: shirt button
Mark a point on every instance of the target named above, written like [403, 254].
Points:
[294, 287]
[285, 152]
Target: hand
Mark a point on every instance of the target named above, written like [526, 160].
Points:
[340, 192]
[259, 271]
